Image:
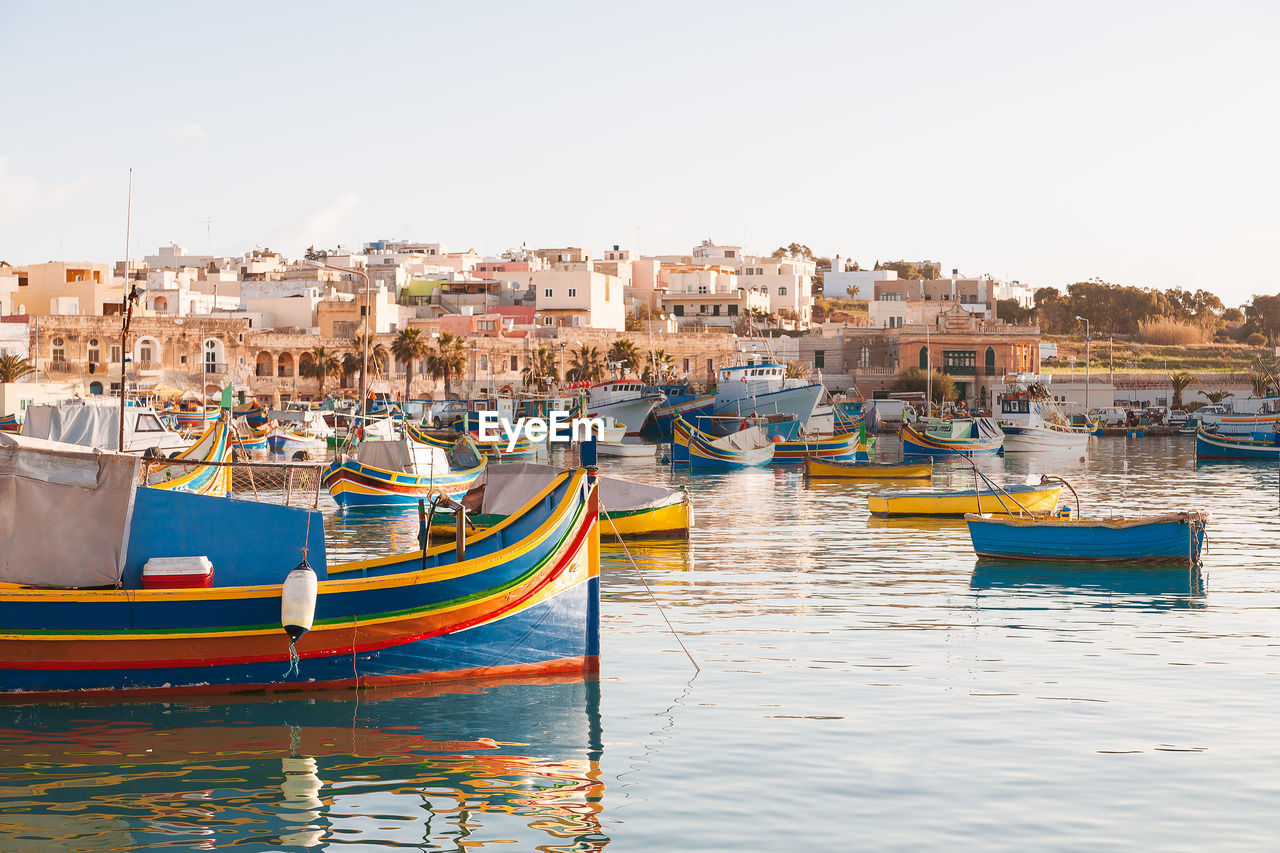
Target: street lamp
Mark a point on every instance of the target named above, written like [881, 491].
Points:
[364, 354]
[563, 344]
[1085, 320]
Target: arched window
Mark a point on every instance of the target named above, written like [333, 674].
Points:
[160, 304]
[864, 360]
[95, 388]
[990, 361]
[924, 358]
[146, 353]
[212, 355]
[303, 360]
[265, 365]
[59, 350]
[285, 365]
[95, 352]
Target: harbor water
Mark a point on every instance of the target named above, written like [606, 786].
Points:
[864, 684]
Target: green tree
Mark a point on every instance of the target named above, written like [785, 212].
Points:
[1215, 397]
[322, 366]
[624, 353]
[408, 347]
[1261, 382]
[541, 365]
[13, 368]
[916, 379]
[446, 360]
[586, 365]
[353, 361]
[659, 366]
[1180, 381]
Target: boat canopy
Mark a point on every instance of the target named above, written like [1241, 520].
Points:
[47, 485]
[411, 457]
[505, 487]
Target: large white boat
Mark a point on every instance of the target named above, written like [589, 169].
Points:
[627, 401]
[97, 424]
[764, 389]
[1033, 423]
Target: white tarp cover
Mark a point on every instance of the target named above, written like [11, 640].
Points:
[751, 438]
[405, 456]
[64, 513]
[90, 426]
[987, 428]
[508, 486]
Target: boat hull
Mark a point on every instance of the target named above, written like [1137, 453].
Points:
[664, 417]
[1176, 538]
[1214, 446]
[799, 402]
[829, 469]
[1033, 499]
[352, 484]
[630, 413]
[1019, 439]
[916, 443]
[839, 447]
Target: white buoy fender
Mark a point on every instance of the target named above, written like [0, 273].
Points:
[298, 601]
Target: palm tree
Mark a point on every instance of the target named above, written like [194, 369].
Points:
[1180, 381]
[797, 370]
[322, 365]
[659, 365]
[14, 367]
[353, 362]
[542, 365]
[1261, 381]
[586, 364]
[1215, 397]
[447, 360]
[624, 353]
[408, 347]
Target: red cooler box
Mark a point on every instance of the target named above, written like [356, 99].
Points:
[177, 573]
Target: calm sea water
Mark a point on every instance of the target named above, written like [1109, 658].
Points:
[864, 684]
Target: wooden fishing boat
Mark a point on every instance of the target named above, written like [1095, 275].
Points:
[250, 439]
[748, 448]
[627, 449]
[1211, 445]
[214, 446]
[832, 469]
[399, 472]
[633, 510]
[1011, 500]
[962, 438]
[1176, 537]
[832, 448]
[282, 439]
[680, 403]
[10, 423]
[83, 615]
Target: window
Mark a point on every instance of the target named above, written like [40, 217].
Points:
[211, 356]
[144, 352]
[115, 352]
[889, 297]
[702, 309]
[959, 362]
[679, 310]
[711, 366]
[59, 349]
[730, 253]
[990, 361]
[864, 357]
[573, 291]
[515, 363]
[702, 288]
[686, 365]
[148, 423]
[749, 271]
[782, 291]
[715, 310]
[548, 321]
[924, 358]
[548, 293]
[95, 354]
[733, 310]
[819, 358]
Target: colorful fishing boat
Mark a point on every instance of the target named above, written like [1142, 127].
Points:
[633, 510]
[523, 448]
[748, 448]
[10, 423]
[282, 439]
[850, 470]
[87, 614]
[401, 471]
[215, 449]
[189, 417]
[250, 439]
[1176, 537]
[1211, 445]
[681, 402]
[960, 437]
[1011, 500]
[834, 448]
[253, 414]
[1033, 423]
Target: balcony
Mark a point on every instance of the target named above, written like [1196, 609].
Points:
[959, 369]
[212, 368]
[60, 366]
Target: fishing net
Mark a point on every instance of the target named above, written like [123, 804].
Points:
[294, 484]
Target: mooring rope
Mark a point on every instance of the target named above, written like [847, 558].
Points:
[648, 589]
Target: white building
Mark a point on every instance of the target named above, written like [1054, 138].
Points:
[574, 294]
[852, 284]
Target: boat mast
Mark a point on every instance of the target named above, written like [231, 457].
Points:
[126, 312]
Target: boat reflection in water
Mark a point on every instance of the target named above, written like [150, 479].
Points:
[1150, 587]
[429, 766]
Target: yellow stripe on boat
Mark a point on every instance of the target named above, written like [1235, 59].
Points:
[867, 470]
[1033, 499]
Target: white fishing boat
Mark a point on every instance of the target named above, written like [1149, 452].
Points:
[97, 424]
[626, 401]
[1033, 423]
[765, 389]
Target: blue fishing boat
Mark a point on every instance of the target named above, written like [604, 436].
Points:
[682, 402]
[765, 389]
[960, 437]
[1211, 445]
[1176, 537]
[169, 592]
[10, 423]
[748, 448]
[401, 471]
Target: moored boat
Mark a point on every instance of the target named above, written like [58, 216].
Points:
[1176, 537]
[627, 401]
[681, 401]
[214, 449]
[87, 615]
[399, 472]
[10, 423]
[1010, 500]
[1033, 423]
[962, 437]
[748, 448]
[764, 389]
[839, 447]
[851, 470]
[1211, 445]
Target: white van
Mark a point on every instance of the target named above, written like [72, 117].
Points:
[1109, 416]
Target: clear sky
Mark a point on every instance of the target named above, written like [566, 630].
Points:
[1046, 142]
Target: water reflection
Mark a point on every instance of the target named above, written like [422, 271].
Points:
[1161, 588]
[420, 767]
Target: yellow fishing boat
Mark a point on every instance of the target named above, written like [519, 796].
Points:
[834, 469]
[1011, 500]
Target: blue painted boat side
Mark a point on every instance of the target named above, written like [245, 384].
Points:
[1210, 446]
[1160, 541]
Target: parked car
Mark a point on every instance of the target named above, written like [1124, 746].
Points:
[1177, 418]
[1110, 416]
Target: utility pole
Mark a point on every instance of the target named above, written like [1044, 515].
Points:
[126, 310]
[1086, 363]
